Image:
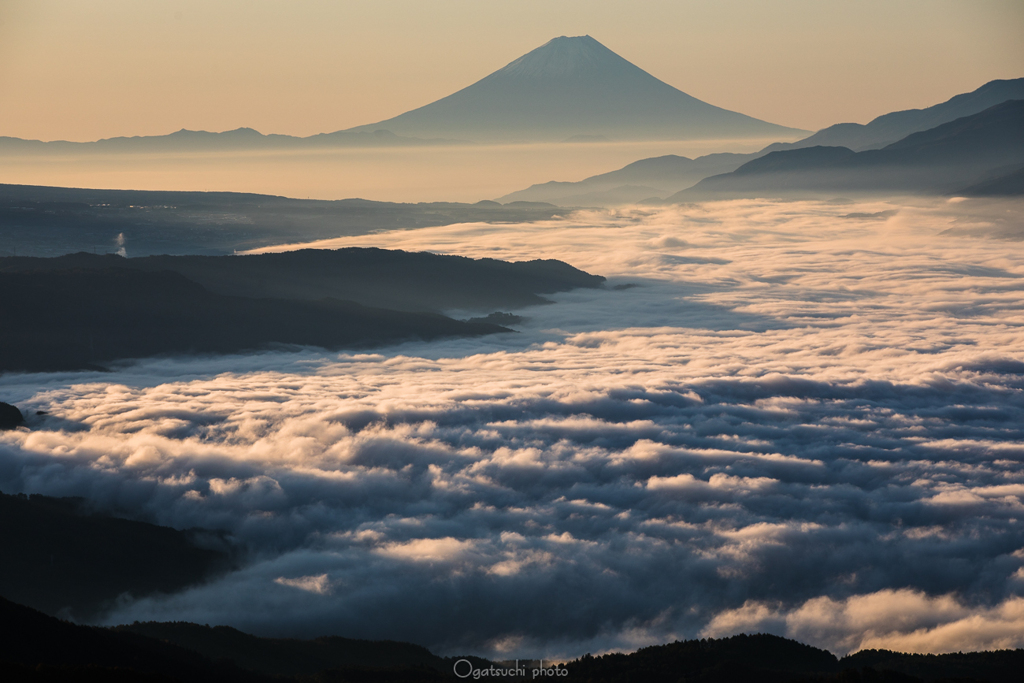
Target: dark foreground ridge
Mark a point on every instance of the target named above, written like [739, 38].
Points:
[82, 310]
[10, 416]
[399, 280]
[42, 648]
[61, 557]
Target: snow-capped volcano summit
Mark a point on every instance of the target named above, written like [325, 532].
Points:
[573, 86]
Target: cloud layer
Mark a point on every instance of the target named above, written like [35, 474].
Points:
[804, 418]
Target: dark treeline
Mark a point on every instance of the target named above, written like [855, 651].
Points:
[42, 648]
[772, 659]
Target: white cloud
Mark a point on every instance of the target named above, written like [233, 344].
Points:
[790, 413]
[320, 584]
[902, 620]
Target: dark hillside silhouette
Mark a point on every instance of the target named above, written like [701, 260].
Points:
[287, 656]
[400, 280]
[10, 416]
[74, 319]
[60, 556]
[763, 658]
[41, 645]
[771, 659]
[37, 647]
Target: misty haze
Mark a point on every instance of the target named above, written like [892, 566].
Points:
[576, 369]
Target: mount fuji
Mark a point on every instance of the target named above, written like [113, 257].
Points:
[574, 88]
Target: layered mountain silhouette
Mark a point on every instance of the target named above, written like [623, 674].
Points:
[660, 177]
[238, 140]
[569, 87]
[635, 182]
[942, 160]
[1008, 185]
[889, 128]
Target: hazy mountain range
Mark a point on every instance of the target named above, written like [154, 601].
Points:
[660, 177]
[981, 148]
[51, 221]
[889, 128]
[193, 141]
[569, 88]
[648, 178]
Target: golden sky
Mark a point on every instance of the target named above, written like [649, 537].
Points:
[86, 69]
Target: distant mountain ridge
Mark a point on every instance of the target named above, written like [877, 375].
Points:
[889, 128]
[51, 221]
[657, 177]
[940, 160]
[643, 179]
[571, 87]
[239, 139]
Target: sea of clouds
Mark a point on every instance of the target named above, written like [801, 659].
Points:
[804, 418]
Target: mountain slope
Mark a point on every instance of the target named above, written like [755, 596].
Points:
[573, 86]
[940, 160]
[894, 126]
[59, 555]
[36, 647]
[1007, 185]
[665, 175]
[657, 176]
